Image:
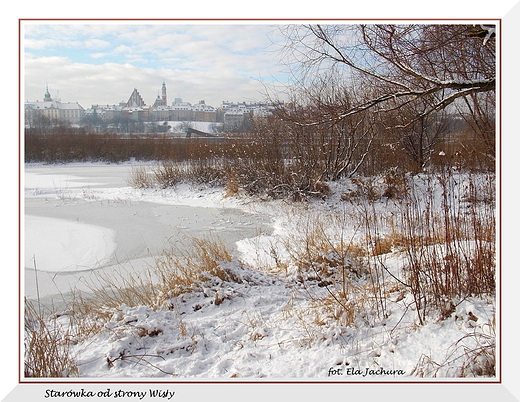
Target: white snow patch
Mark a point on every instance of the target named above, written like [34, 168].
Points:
[34, 180]
[62, 245]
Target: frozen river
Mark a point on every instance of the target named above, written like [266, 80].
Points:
[83, 220]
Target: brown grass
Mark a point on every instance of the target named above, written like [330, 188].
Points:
[176, 271]
[47, 346]
[443, 233]
[477, 360]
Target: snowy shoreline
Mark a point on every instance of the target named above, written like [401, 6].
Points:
[270, 324]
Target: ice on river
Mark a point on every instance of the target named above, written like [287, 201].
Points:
[82, 221]
[61, 245]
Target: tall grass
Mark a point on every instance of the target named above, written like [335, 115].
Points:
[178, 270]
[47, 346]
[441, 228]
[48, 339]
[72, 146]
[450, 234]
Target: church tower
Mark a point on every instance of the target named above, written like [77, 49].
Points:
[165, 102]
[47, 96]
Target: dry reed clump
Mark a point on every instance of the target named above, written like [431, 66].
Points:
[174, 272]
[169, 173]
[447, 244]
[342, 285]
[140, 177]
[400, 242]
[442, 246]
[181, 271]
[462, 263]
[480, 358]
[392, 184]
[47, 346]
[238, 166]
[333, 271]
[321, 256]
[345, 303]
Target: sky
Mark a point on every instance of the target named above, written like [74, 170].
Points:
[101, 62]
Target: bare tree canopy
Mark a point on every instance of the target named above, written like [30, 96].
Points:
[391, 66]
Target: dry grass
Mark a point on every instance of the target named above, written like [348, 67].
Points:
[442, 237]
[334, 271]
[124, 286]
[140, 177]
[179, 271]
[345, 306]
[473, 355]
[462, 261]
[175, 272]
[169, 173]
[47, 352]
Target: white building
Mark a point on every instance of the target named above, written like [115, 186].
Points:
[236, 114]
[53, 109]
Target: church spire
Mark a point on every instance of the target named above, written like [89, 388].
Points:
[165, 102]
[47, 96]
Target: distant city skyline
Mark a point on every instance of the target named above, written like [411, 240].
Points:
[92, 62]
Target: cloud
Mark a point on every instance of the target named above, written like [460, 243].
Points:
[98, 55]
[96, 44]
[103, 63]
[49, 43]
[123, 49]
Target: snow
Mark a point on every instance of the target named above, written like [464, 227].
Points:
[205, 126]
[268, 323]
[66, 245]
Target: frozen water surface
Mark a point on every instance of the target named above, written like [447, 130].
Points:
[84, 220]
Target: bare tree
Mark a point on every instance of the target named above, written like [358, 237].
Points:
[404, 62]
[419, 138]
[479, 112]
[184, 126]
[332, 148]
[405, 76]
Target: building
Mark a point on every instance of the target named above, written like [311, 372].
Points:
[179, 110]
[135, 108]
[203, 112]
[235, 115]
[135, 100]
[161, 100]
[53, 110]
[109, 113]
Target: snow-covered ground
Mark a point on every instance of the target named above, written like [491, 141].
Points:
[178, 126]
[266, 323]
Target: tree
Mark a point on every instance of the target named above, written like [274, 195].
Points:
[407, 62]
[184, 126]
[331, 148]
[94, 122]
[419, 138]
[387, 68]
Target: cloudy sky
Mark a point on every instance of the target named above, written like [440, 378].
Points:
[101, 62]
